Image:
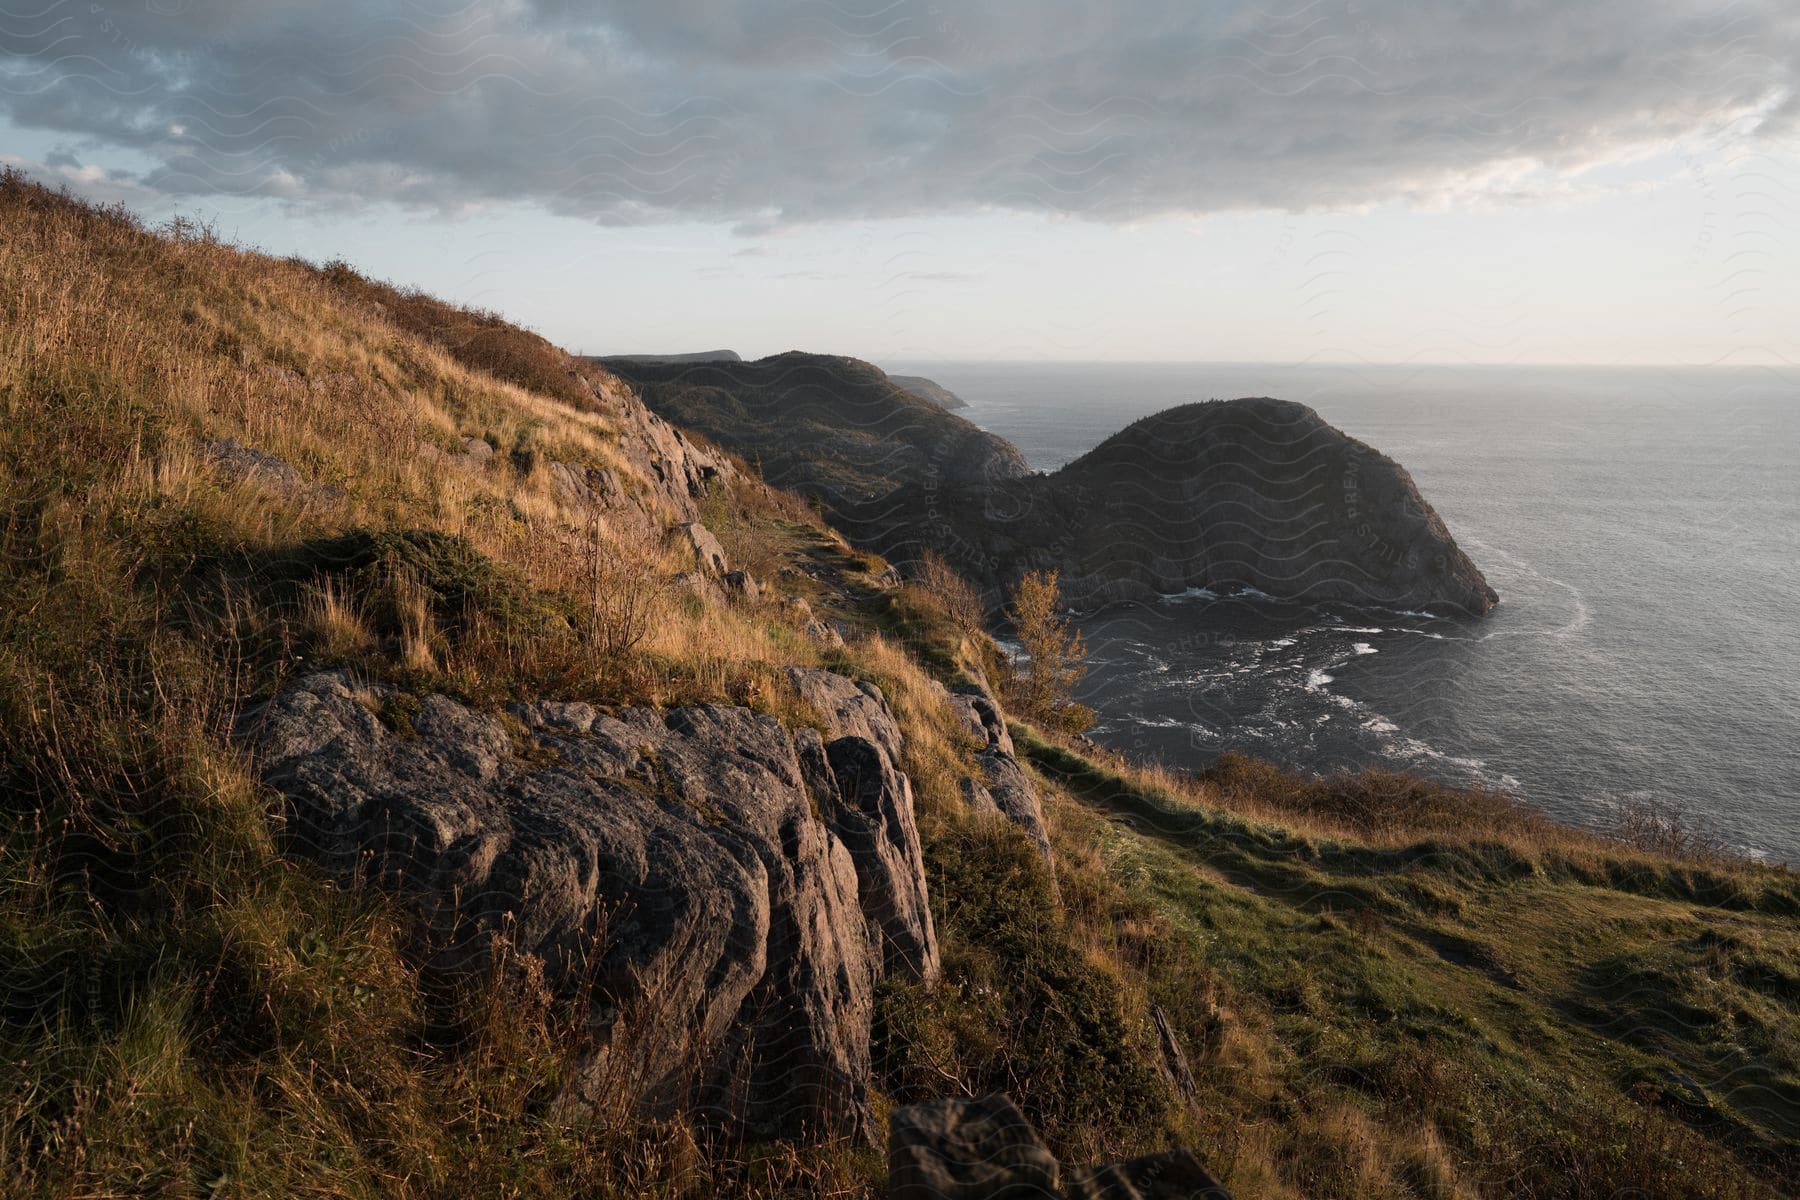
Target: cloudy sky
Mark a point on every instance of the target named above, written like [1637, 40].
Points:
[1283, 180]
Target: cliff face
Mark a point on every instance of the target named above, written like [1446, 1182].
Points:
[1227, 495]
[835, 428]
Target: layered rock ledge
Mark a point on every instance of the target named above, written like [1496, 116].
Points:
[722, 893]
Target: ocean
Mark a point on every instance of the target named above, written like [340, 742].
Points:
[1642, 526]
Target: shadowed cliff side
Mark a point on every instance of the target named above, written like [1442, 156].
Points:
[835, 428]
[1229, 495]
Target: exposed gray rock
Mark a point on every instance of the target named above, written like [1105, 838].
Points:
[676, 472]
[477, 453]
[701, 585]
[473, 456]
[968, 1150]
[986, 1149]
[1004, 787]
[234, 460]
[238, 461]
[822, 632]
[682, 872]
[850, 708]
[706, 549]
[984, 721]
[873, 815]
[587, 487]
[743, 586]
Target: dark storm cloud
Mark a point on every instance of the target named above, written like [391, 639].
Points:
[769, 113]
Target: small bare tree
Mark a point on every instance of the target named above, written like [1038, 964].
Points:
[957, 595]
[623, 579]
[1054, 651]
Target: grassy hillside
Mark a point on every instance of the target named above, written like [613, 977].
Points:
[1380, 988]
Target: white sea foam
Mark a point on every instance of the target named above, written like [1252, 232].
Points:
[1365, 648]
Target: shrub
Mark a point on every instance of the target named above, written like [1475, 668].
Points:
[1054, 654]
[627, 587]
[954, 594]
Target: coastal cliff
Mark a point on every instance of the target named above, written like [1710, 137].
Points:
[1227, 496]
[835, 428]
[1252, 494]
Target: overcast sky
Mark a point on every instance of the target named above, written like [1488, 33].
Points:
[1473, 180]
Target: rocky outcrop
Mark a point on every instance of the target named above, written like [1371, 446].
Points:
[1004, 786]
[708, 554]
[588, 488]
[1229, 495]
[820, 631]
[673, 471]
[876, 817]
[696, 878]
[1253, 494]
[472, 454]
[246, 464]
[986, 1148]
[836, 428]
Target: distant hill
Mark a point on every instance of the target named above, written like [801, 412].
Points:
[836, 428]
[930, 389]
[699, 356]
[1255, 493]
[1227, 495]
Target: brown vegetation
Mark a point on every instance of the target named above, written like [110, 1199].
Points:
[1044, 686]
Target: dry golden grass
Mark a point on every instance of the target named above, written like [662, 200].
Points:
[236, 1026]
[334, 621]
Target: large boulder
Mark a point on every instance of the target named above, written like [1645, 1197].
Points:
[681, 874]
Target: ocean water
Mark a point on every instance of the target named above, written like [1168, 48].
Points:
[1641, 525]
